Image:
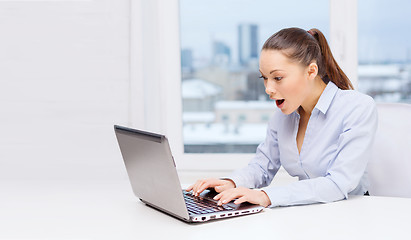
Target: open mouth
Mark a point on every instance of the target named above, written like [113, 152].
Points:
[279, 102]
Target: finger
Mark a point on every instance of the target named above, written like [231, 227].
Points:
[231, 196]
[218, 196]
[224, 193]
[221, 187]
[241, 200]
[199, 186]
[203, 186]
[196, 185]
[189, 188]
[207, 184]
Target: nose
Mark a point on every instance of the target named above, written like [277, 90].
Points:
[270, 88]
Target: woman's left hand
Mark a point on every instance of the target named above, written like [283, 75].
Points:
[243, 194]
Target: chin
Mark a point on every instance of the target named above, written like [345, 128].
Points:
[287, 111]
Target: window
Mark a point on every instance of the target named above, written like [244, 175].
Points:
[384, 50]
[225, 108]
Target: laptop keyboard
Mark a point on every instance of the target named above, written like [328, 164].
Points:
[200, 205]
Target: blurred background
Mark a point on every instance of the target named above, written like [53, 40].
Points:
[220, 56]
[70, 70]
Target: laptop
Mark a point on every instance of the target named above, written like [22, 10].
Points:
[153, 176]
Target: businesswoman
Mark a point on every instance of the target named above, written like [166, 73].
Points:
[321, 131]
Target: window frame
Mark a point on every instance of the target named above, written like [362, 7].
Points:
[155, 74]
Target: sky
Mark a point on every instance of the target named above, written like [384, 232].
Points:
[384, 30]
[383, 26]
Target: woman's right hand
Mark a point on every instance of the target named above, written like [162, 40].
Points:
[219, 185]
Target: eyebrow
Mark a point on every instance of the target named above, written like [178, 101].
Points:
[272, 71]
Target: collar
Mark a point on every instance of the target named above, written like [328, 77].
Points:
[326, 97]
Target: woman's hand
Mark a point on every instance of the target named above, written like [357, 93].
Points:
[243, 194]
[218, 184]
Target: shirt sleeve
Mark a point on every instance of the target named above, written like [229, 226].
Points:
[345, 171]
[265, 164]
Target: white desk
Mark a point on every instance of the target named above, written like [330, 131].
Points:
[104, 211]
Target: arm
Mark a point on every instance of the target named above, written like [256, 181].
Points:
[259, 172]
[265, 164]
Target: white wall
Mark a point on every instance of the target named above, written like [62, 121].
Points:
[344, 36]
[64, 82]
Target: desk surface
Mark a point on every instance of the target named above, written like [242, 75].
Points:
[110, 211]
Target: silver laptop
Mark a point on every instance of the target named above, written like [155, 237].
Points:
[153, 177]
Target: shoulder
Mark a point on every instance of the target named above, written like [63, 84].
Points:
[354, 105]
[354, 96]
[350, 100]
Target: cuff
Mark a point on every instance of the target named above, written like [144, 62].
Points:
[238, 181]
[279, 196]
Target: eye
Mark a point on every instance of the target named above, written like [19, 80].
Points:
[263, 77]
[278, 78]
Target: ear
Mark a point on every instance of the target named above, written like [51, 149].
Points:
[312, 70]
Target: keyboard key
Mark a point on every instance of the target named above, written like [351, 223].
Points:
[200, 205]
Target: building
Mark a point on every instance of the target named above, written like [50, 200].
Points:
[238, 127]
[255, 90]
[247, 43]
[221, 54]
[240, 112]
[199, 95]
[384, 82]
[186, 60]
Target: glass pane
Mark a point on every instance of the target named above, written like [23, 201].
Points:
[225, 108]
[384, 49]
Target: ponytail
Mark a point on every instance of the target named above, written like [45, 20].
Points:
[306, 47]
[333, 70]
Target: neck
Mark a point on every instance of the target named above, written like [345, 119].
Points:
[309, 103]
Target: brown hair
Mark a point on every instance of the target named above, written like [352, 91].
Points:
[306, 47]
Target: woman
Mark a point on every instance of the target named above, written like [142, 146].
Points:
[321, 132]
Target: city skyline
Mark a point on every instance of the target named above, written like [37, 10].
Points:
[199, 31]
[379, 36]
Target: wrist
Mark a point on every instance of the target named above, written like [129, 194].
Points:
[231, 182]
[266, 199]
